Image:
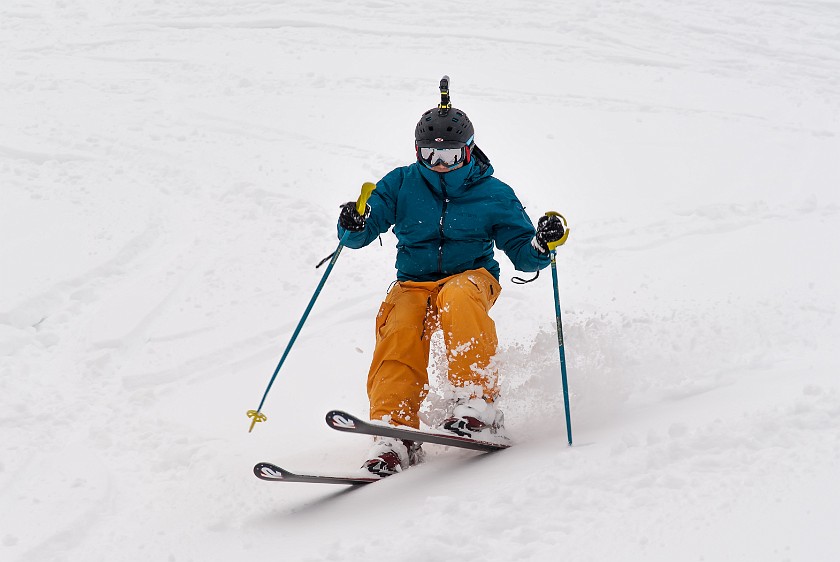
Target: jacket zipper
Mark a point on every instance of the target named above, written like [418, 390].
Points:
[442, 218]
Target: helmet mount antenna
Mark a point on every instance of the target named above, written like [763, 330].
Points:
[445, 103]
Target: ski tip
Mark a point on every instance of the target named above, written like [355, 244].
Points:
[341, 421]
[268, 471]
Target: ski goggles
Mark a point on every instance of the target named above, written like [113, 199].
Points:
[449, 157]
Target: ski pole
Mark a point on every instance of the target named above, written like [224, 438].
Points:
[361, 204]
[552, 247]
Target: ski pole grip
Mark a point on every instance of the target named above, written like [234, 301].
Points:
[361, 202]
[553, 245]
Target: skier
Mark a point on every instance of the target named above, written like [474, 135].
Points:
[447, 212]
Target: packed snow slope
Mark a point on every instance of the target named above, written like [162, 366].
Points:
[170, 173]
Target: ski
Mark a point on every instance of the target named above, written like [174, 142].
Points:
[273, 473]
[342, 421]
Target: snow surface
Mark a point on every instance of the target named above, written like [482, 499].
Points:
[170, 172]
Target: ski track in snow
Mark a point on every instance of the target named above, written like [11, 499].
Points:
[170, 174]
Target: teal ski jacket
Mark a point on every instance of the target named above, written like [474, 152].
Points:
[447, 223]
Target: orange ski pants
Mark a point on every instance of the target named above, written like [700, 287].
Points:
[412, 312]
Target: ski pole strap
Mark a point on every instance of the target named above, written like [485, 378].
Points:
[521, 281]
[553, 245]
[325, 260]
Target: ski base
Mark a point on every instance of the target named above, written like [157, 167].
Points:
[273, 473]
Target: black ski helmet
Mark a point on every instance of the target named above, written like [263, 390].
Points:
[444, 126]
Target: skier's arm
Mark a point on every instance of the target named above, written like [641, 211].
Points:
[382, 212]
[513, 235]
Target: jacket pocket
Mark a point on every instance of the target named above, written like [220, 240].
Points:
[382, 317]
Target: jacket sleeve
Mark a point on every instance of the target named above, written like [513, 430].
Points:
[513, 234]
[383, 207]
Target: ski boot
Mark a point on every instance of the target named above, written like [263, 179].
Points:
[475, 418]
[389, 456]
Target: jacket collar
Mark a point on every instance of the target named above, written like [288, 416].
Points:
[456, 182]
